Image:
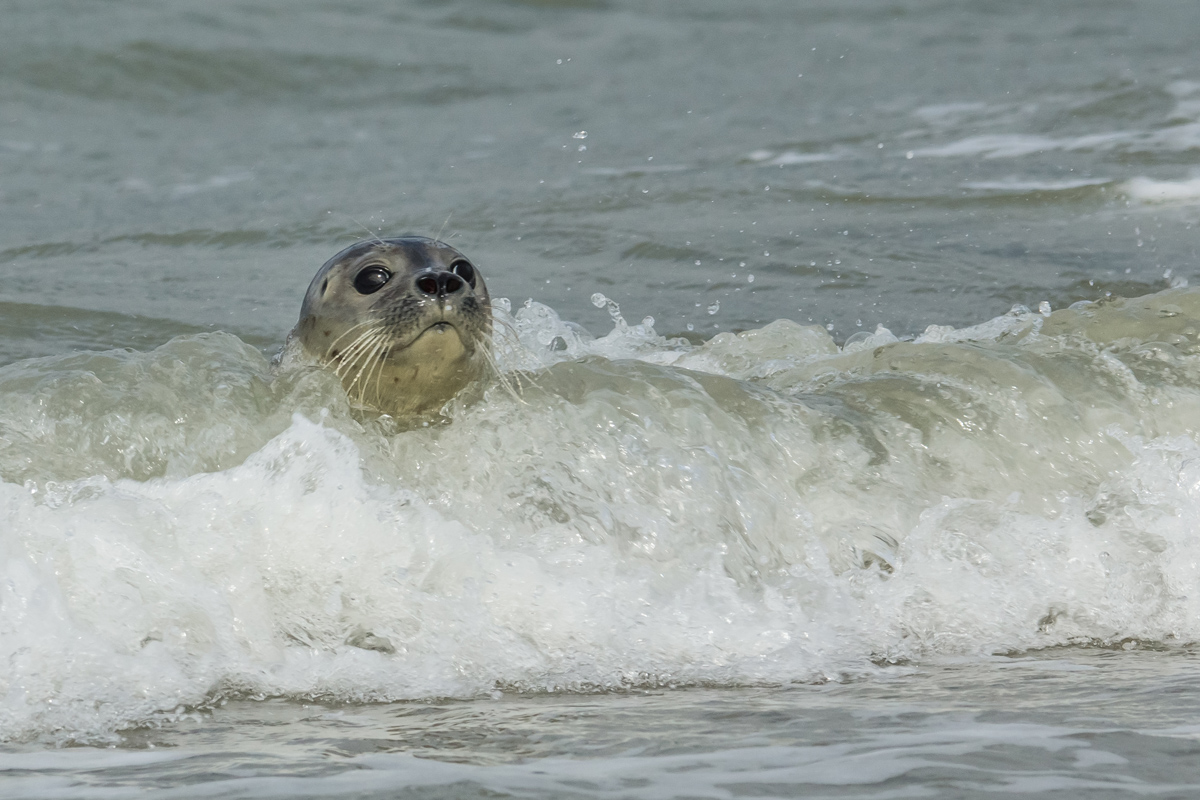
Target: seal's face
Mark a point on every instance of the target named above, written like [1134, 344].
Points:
[406, 323]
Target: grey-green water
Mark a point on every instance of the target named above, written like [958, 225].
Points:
[997, 728]
[177, 543]
[193, 164]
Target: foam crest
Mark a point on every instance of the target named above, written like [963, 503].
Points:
[185, 525]
[1147, 190]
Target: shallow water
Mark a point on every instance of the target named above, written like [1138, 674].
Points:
[964, 729]
[863, 506]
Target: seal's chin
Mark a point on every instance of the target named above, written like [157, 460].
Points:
[440, 343]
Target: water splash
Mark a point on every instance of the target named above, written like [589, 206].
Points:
[185, 525]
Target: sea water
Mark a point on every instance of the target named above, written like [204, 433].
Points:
[615, 530]
[843, 441]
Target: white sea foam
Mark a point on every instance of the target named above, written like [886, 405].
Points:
[640, 169]
[214, 183]
[1019, 185]
[790, 157]
[1178, 138]
[991, 146]
[180, 526]
[947, 113]
[1012, 145]
[1147, 190]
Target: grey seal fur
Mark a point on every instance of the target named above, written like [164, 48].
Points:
[406, 323]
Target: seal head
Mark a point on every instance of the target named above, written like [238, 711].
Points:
[406, 323]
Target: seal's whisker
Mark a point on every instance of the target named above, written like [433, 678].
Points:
[349, 357]
[329, 350]
[363, 339]
[507, 331]
[505, 335]
[370, 233]
[487, 354]
[508, 381]
[380, 362]
[355, 390]
[444, 224]
[362, 358]
[520, 380]
[366, 362]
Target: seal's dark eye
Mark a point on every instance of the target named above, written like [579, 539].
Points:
[465, 271]
[371, 280]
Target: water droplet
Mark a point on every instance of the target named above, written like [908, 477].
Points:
[614, 310]
[713, 307]
[750, 278]
[582, 147]
[1044, 308]
[579, 135]
[909, 154]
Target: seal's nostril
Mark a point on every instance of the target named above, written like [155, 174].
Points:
[427, 284]
[451, 283]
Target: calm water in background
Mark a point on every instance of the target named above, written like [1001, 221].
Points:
[166, 162]
[175, 169]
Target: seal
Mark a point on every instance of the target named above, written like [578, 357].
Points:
[406, 323]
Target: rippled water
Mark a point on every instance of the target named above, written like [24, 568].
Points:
[1021, 726]
[840, 496]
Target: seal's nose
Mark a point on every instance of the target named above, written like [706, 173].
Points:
[439, 284]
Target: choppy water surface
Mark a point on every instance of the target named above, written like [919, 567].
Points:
[878, 472]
